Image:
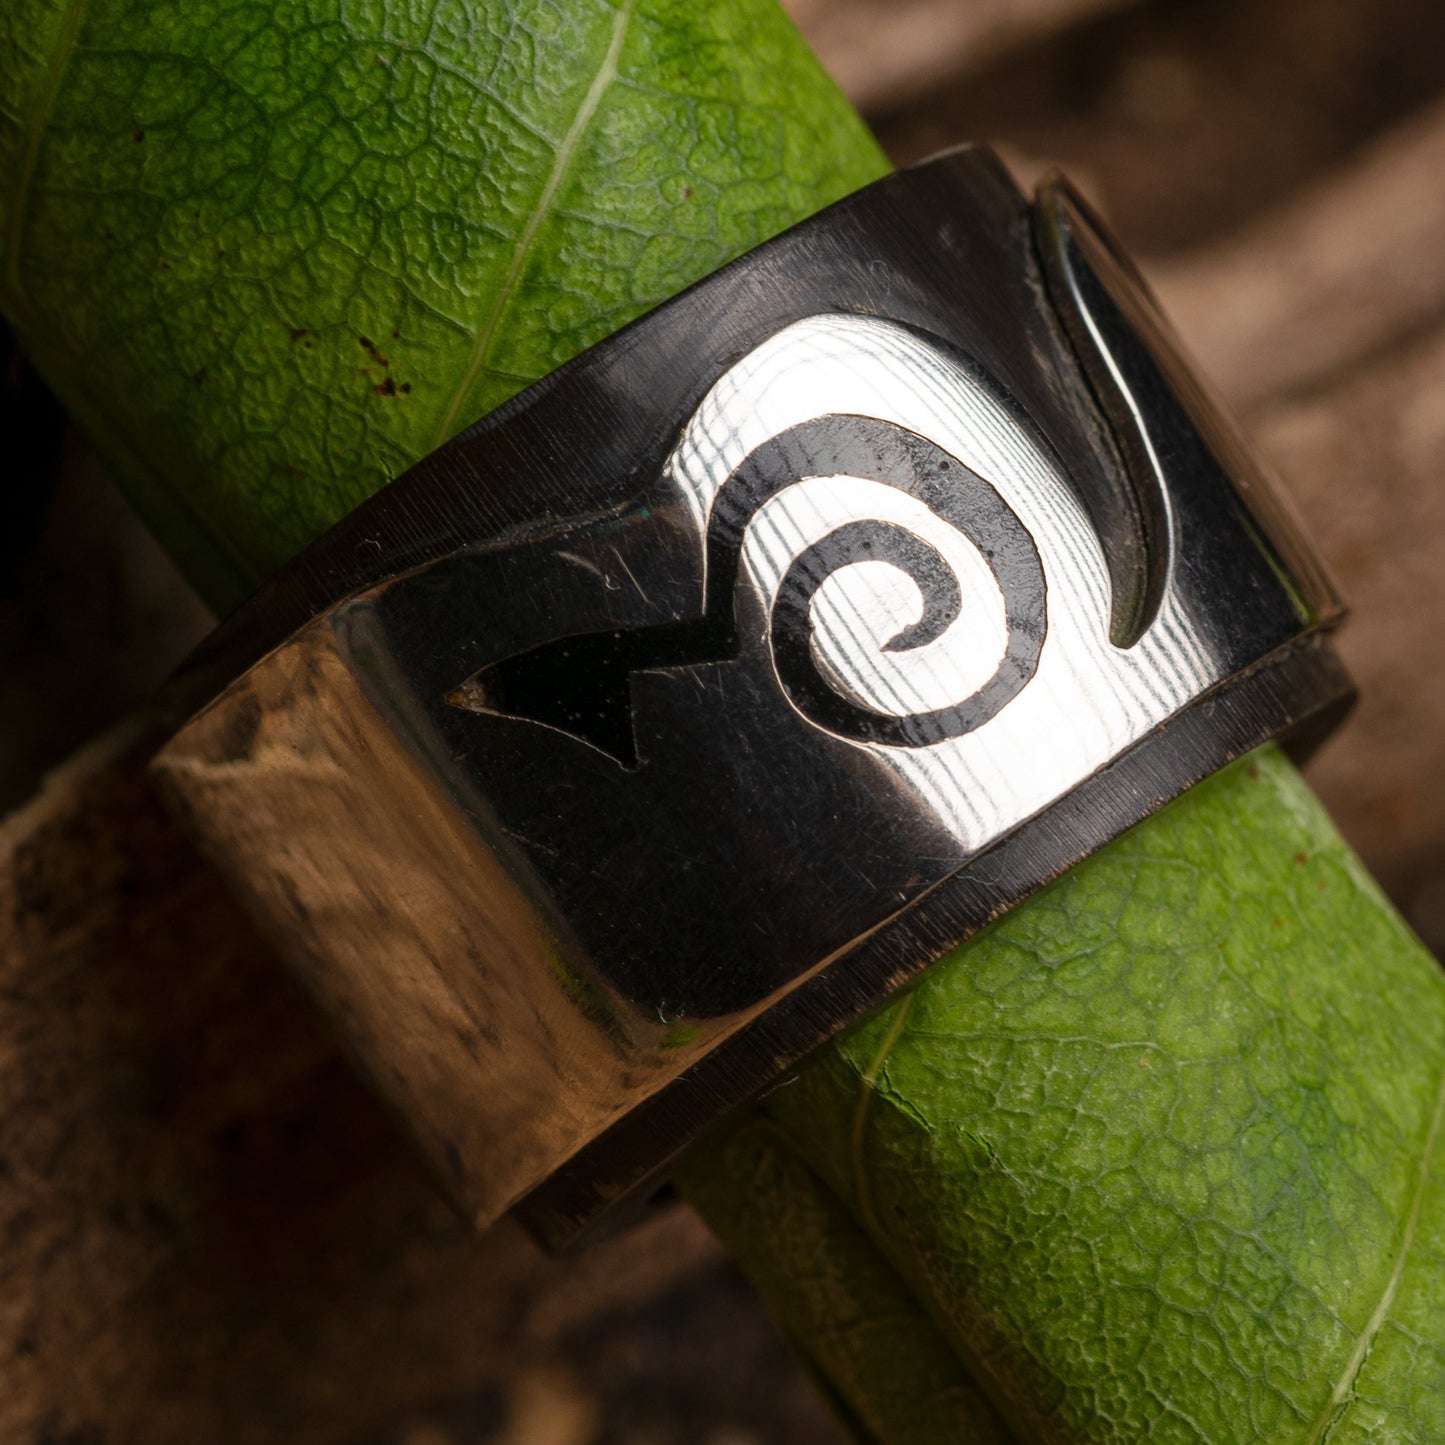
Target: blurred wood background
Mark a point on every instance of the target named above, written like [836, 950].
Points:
[208, 1232]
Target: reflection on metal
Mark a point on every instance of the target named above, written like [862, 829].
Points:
[664, 722]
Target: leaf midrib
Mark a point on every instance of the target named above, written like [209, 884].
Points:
[526, 239]
[1343, 1390]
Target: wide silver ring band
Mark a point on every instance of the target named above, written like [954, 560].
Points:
[674, 715]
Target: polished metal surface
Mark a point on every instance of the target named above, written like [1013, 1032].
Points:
[662, 724]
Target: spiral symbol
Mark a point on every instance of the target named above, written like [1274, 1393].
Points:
[845, 677]
[826, 682]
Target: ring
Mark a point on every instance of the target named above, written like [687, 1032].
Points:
[680, 711]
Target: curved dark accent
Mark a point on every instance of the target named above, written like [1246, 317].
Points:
[580, 685]
[1185, 462]
[1131, 517]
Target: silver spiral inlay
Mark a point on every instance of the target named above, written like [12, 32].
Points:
[1082, 702]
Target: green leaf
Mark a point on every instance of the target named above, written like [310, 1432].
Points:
[273, 253]
[1151, 1160]
[1159, 1154]
[890, 1372]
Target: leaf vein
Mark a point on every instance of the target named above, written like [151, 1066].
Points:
[561, 165]
[1343, 1391]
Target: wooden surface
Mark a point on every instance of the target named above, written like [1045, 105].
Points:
[208, 1232]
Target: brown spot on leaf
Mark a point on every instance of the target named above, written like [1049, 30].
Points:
[373, 351]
